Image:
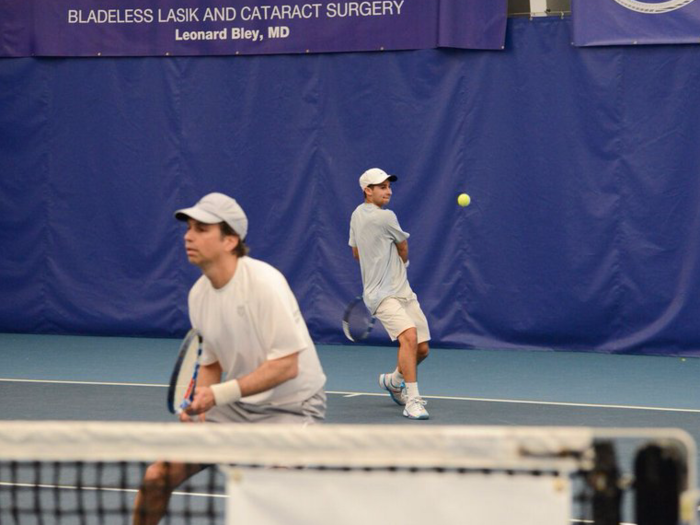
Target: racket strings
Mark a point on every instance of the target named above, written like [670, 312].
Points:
[358, 321]
[184, 378]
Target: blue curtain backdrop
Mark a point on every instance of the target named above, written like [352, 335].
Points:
[582, 164]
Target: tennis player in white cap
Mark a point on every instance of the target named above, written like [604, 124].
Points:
[381, 247]
[259, 364]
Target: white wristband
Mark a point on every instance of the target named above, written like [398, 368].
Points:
[407, 263]
[226, 393]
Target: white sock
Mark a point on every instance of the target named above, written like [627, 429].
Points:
[412, 390]
[396, 378]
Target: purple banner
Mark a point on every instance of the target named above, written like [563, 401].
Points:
[245, 27]
[634, 22]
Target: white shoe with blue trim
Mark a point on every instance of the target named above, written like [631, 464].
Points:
[415, 408]
[398, 394]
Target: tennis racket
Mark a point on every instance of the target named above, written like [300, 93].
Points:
[357, 321]
[184, 378]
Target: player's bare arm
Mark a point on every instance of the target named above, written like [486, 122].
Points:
[209, 374]
[270, 374]
[355, 253]
[402, 248]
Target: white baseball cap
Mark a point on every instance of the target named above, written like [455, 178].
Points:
[215, 208]
[374, 176]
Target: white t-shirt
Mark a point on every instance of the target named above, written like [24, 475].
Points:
[253, 318]
[374, 232]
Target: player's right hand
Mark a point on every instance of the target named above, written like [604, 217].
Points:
[203, 401]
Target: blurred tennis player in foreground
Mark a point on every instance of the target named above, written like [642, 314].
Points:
[381, 246]
[254, 336]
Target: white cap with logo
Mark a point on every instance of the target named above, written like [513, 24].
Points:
[374, 176]
[215, 208]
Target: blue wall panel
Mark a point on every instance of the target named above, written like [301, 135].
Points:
[582, 165]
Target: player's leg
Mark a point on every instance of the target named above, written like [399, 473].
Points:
[423, 351]
[395, 315]
[415, 405]
[408, 355]
[159, 481]
[408, 362]
[397, 377]
[421, 355]
[392, 315]
[423, 331]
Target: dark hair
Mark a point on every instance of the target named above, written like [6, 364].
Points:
[241, 250]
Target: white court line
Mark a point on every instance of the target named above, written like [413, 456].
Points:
[360, 394]
[61, 382]
[104, 489]
[591, 521]
[525, 402]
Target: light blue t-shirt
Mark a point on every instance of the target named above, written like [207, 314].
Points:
[374, 232]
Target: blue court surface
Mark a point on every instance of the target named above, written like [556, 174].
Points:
[93, 378]
[124, 379]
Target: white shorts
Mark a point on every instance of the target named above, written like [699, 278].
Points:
[398, 315]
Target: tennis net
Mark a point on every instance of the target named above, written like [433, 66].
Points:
[89, 473]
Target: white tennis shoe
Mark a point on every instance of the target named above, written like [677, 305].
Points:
[398, 394]
[415, 408]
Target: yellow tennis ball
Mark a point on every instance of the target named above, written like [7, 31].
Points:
[463, 200]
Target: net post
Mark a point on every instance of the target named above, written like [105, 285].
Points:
[605, 483]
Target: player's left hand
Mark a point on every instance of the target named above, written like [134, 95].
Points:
[186, 418]
[203, 401]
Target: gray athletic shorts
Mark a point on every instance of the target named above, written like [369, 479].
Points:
[308, 412]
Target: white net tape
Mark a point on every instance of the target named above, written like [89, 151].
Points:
[322, 445]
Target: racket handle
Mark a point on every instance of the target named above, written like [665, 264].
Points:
[183, 406]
